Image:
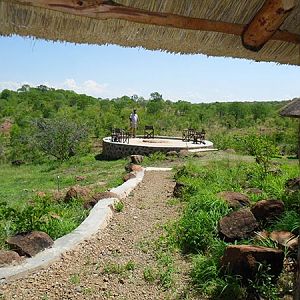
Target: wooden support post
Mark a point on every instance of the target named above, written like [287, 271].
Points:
[266, 22]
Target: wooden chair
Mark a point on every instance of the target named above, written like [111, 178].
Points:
[199, 137]
[116, 135]
[149, 132]
[188, 134]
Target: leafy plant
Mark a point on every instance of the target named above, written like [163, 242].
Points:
[119, 206]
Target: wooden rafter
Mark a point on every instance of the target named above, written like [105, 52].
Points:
[266, 23]
[107, 9]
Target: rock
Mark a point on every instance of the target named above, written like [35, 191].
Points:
[8, 257]
[90, 203]
[104, 195]
[41, 194]
[128, 176]
[178, 189]
[235, 199]
[254, 191]
[262, 235]
[137, 159]
[78, 192]
[172, 154]
[237, 225]
[184, 153]
[293, 185]
[229, 150]
[267, 210]
[80, 178]
[133, 168]
[31, 243]
[244, 260]
[285, 239]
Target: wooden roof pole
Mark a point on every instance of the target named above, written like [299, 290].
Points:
[108, 9]
[266, 22]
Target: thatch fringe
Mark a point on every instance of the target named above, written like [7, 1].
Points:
[51, 25]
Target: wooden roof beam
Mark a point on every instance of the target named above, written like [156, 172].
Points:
[266, 23]
[108, 9]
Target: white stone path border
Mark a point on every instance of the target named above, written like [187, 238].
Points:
[98, 219]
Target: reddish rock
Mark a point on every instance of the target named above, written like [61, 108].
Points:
[137, 159]
[97, 197]
[9, 257]
[237, 225]
[262, 235]
[267, 210]
[31, 243]
[104, 195]
[284, 239]
[41, 194]
[133, 168]
[184, 153]
[244, 260]
[6, 126]
[80, 178]
[172, 154]
[78, 192]
[235, 199]
[293, 184]
[128, 176]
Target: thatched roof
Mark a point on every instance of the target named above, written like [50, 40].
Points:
[292, 109]
[21, 18]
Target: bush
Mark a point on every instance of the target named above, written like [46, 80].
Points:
[60, 138]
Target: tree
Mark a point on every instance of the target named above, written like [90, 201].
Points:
[60, 138]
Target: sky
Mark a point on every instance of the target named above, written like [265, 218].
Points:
[113, 71]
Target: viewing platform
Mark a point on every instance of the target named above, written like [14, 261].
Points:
[145, 146]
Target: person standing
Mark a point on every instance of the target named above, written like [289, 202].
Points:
[133, 123]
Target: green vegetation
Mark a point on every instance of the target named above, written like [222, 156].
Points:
[30, 196]
[114, 268]
[38, 114]
[196, 231]
[119, 206]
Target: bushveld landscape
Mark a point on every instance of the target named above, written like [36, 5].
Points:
[50, 140]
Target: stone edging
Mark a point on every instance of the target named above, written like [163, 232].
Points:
[98, 219]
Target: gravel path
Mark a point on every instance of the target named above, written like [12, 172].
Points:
[111, 265]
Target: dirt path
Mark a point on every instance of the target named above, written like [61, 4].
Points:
[113, 264]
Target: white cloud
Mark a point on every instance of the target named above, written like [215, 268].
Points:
[89, 87]
[11, 85]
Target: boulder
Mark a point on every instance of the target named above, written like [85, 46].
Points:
[267, 210]
[78, 192]
[80, 178]
[133, 168]
[97, 197]
[172, 154]
[137, 159]
[293, 185]
[254, 191]
[285, 239]
[128, 176]
[8, 257]
[178, 189]
[235, 199]
[229, 150]
[31, 243]
[184, 153]
[237, 225]
[244, 260]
